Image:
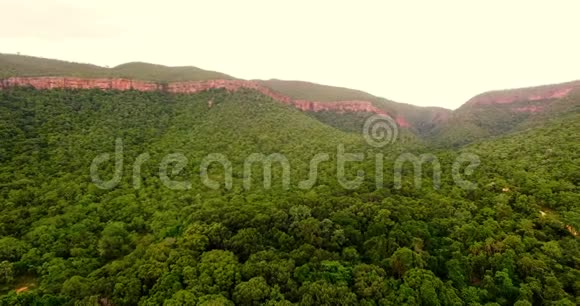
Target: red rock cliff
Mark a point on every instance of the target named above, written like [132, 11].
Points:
[194, 87]
[346, 107]
[79, 83]
[524, 94]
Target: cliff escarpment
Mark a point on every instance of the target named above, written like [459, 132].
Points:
[530, 94]
[191, 87]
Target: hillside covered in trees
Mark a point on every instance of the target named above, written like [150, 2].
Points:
[513, 240]
[21, 65]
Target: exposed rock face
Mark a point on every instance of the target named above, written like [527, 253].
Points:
[231, 85]
[79, 83]
[346, 107]
[195, 87]
[547, 92]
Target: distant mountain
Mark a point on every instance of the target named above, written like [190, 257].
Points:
[419, 119]
[21, 65]
[500, 112]
[122, 191]
[485, 115]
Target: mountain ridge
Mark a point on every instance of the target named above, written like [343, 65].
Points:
[31, 66]
[486, 114]
[533, 93]
[193, 87]
[299, 90]
[221, 197]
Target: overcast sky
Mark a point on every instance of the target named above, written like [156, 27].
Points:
[420, 52]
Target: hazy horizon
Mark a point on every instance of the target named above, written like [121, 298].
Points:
[421, 53]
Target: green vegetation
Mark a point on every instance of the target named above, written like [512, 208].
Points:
[507, 242]
[316, 92]
[466, 125]
[421, 118]
[471, 123]
[19, 65]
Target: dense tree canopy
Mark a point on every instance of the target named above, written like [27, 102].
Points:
[510, 241]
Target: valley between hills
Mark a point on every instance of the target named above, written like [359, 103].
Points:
[178, 216]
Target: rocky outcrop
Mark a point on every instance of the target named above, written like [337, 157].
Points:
[191, 87]
[231, 85]
[343, 107]
[539, 93]
[346, 107]
[79, 83]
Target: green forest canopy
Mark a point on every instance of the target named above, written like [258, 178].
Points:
[508, 242]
